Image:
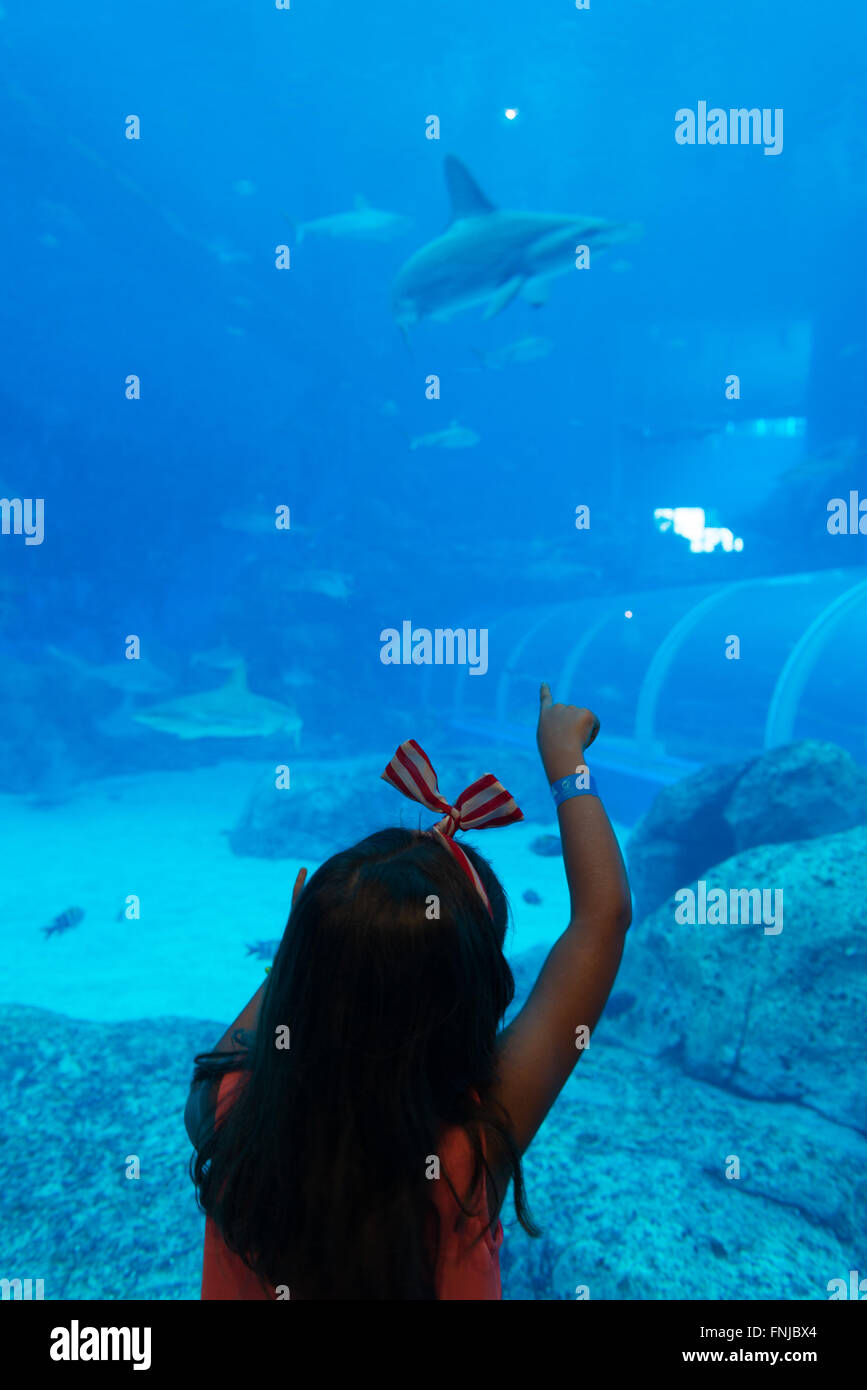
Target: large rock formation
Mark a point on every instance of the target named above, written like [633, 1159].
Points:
[777, 1016]
[627, 1177]
[330, 806]
[795, 792]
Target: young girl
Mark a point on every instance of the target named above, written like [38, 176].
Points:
[358, 1125]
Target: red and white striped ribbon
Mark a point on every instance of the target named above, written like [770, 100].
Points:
[480, 806]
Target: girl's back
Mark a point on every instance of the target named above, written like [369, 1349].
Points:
[383, 1115]
[467, 1252]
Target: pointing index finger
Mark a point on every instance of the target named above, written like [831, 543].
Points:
[545, 697]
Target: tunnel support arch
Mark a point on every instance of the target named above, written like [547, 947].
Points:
[789, 688]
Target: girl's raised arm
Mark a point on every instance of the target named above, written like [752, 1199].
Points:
[544, 1041]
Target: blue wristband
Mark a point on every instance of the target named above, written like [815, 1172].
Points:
[571, 786]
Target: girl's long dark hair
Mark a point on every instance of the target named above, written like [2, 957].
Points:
[391, 983]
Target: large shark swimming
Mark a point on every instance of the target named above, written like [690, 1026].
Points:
[488, 256]
[229, 711]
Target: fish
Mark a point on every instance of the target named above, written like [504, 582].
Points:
[524, 350]
[221, 658]
[330, 583]
[255, 520]
[65, 921]
[488, 256]
[296, 679]
[548, 846]
[263, 950]
[224, 253]
[531, 896]
[229, 711]
[455, 437]
[138, 677]
[364, 223]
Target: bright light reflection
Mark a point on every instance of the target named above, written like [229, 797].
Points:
[689, 522]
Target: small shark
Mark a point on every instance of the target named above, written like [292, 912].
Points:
[487, 256]
[330, 583]
[524, 350]
[138, 677]
[455, 437]
[364, 223]
[230, 711]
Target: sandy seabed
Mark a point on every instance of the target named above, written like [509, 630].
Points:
[162, 836]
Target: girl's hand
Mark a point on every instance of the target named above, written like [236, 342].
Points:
[299, 884]
[562, 734]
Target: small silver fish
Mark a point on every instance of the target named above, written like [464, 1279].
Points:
[65, 922]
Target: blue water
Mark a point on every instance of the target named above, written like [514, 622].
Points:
[630, 490]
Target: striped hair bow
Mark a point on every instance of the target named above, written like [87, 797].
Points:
[480, 806]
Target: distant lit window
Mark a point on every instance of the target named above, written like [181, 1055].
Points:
[690, 522]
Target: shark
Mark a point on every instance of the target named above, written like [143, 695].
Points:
[455, 437]
[488, 256]
[138, 677]
[230, 711]
[222, 658]
[524, 350]
[364, 223]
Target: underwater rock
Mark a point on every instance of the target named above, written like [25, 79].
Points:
[776, 1015]
[626, 1177]
[121, 1235]
[683, 832]
[628, 1126]
[327, 807]
[799, 791]
[619, 1004]
[332, 804]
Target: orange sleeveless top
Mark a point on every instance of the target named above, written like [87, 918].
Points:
[466, 1268]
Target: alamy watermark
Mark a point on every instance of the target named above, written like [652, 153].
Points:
[77, 1343]
[16, 521]
[737, 126]
[701, 906]
[440, 646]
[22, 1289]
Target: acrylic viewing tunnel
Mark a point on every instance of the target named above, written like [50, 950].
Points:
[668, 697]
